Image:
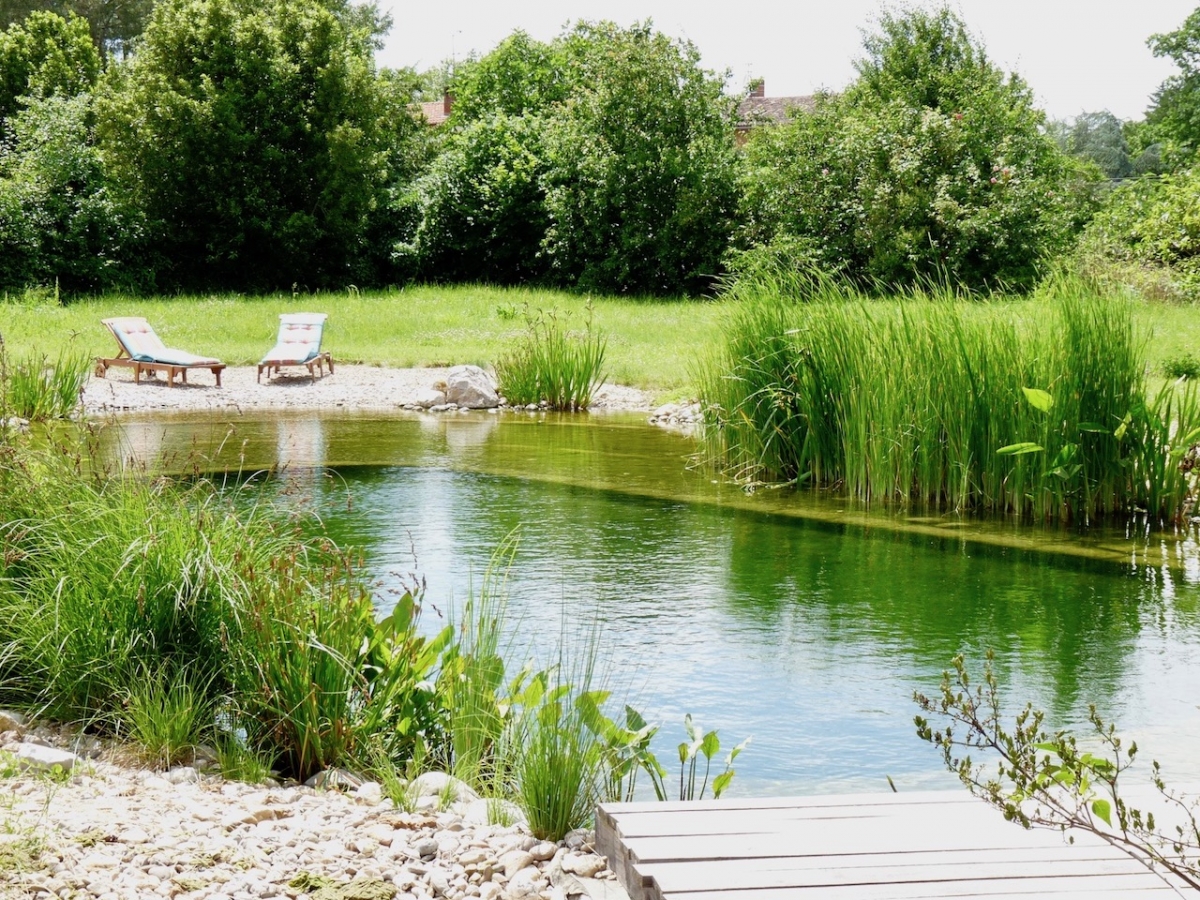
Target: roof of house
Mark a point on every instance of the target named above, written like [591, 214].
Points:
[435, 112]
[757, 110]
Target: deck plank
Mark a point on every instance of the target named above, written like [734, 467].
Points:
[857, 847]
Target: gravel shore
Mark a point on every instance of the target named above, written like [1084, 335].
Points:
[349, 387]
[102, 830]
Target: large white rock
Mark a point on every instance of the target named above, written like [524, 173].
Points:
[437, 784]
[37, 756]
[471, 388]
[427, 397]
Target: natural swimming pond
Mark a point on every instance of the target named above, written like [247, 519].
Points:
[798, 620]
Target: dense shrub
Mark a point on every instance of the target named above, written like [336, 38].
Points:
[932, 165]
[602, 160]
[258, 141]
[60, 222]
[1151, 227]
[482, 206]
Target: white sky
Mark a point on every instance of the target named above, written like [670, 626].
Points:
[1077, 55]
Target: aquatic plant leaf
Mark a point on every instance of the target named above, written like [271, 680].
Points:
[1040, 400]
[1020, 449]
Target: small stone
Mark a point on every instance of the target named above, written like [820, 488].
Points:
[583, 866]
[439, 881]
[426, 849]
[369, 792]
[543, 851]
[579, 839]
[12, 721]
[428, 397]
[514, 861]
[440, 784]
[183, 775]
[38, 756]
[335, 779]
[250, 817]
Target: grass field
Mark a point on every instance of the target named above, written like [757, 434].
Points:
[652, 344]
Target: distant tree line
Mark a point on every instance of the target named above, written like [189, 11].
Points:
[255, 145]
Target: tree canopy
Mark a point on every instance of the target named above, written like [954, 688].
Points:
[257, 139]
[932, 165]
[45, 55]
[1175, 107]
[603, 159]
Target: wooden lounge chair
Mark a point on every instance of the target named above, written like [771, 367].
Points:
[298, 344]
[143, 351]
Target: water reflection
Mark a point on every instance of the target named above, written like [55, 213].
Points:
[808, 627]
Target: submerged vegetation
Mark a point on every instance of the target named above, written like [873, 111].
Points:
[936, 401]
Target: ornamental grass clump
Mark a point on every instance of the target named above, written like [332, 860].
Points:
[933, 400]
[169, 613]
[37, 388]
[552, 364]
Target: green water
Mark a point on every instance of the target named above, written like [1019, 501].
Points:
[791, 618]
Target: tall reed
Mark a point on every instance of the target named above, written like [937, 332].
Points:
[552, 364]
[37, 388]
[936, 401]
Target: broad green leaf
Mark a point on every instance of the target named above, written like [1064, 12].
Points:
[1093, 427]
[1039, 399]
[721, 782]
[1103, 809]
[711, 745]
[1019, 449]
[1123, 427]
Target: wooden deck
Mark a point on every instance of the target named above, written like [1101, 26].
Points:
[858, 847]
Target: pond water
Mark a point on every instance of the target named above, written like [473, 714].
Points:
[796, 620]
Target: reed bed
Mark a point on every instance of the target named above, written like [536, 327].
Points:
[552, 364]
[940, 401]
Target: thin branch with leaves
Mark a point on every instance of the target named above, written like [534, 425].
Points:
[1048, 780]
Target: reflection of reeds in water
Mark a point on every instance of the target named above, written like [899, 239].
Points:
[935, 400]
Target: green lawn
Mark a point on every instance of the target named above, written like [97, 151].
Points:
[652, 344]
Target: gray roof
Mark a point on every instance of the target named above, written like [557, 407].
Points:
[754, 111]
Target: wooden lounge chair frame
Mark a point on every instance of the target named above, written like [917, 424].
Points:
[124, 359]
[313, 359]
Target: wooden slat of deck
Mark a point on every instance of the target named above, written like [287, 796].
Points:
[845, 848]
[697, 876]
[1139, 887]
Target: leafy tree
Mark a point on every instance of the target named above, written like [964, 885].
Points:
[1098, 137]
[482, 205]
[1153, 225]
[259, 142]
[933, 164]
[641, 187]
[45, 56]
[113, 24]
[1174, 113]
[59, 222]
[522, 75]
